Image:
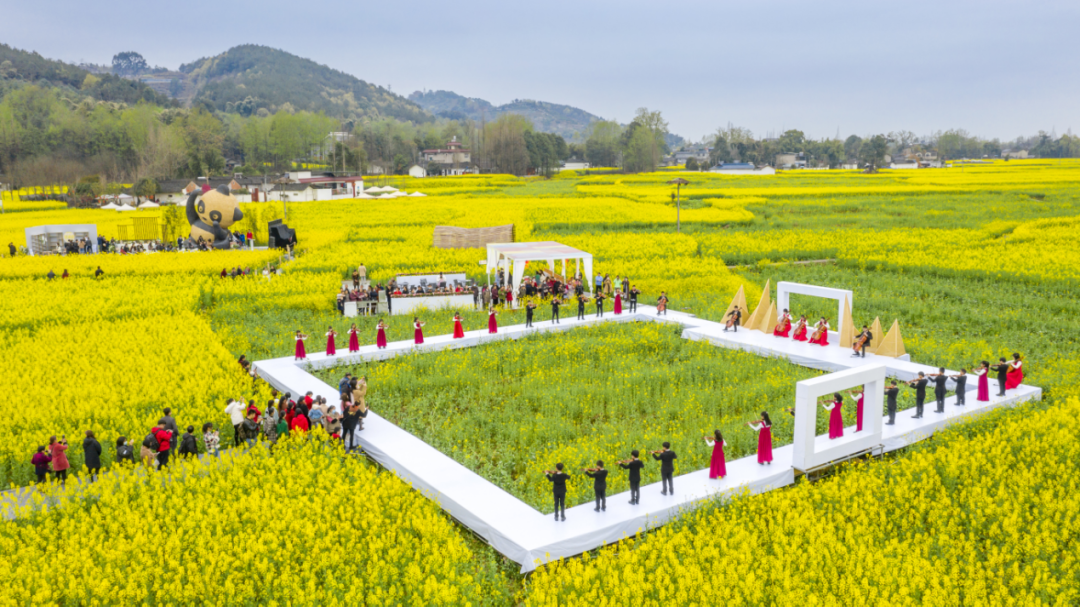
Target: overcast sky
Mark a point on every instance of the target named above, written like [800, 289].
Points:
[995, 68]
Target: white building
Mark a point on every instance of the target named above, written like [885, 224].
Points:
[451, 160]
[417, 171]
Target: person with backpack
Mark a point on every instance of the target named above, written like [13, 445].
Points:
[164, 438]
[149, 448]
[188, 446]
[170, 425]
[124, 451]
[269, 422]
[41, 462]
[249, 430]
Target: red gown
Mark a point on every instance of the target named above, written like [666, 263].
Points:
[823, 339]
[380, 338]
[458, 331]
[509, 299]
[800, 334]
[859, 414]
[836, 421]
[418, 334]
[1015, 376]
[984, 387]
[717, 465]
[783, 329]
[764, 445]
[493, 326]
[618, 303]
[331, 347]
[301, 353]
[354, 341]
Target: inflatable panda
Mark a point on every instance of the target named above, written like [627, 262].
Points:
[210, 214]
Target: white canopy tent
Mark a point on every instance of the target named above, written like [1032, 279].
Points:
[149, 205]
[111, 207]
[512, 257]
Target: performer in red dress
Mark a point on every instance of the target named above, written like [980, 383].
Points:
[354, 339]
[858, 396]
[800, 330]
[764, 438]
[783, 328]
[821, 333]
[1016, 372]
[509, 298]
[380, 337]
[983, 371]
[458, 331]
[493, 326]
[618, 303]
[331, 345]
[301, 353]
[418, 332]
[717, 465]
[836, 418]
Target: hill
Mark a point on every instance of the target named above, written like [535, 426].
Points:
[18, 68]
[570, 122]
[247, 78]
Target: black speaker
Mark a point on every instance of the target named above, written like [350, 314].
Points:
[280, 235]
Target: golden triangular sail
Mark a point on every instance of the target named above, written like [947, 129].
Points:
[847, 327]
[893, 344]
[879, 336]
[760, 311]
[738, 300]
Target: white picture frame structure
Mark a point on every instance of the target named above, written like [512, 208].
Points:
[785, 289]
[812, 451]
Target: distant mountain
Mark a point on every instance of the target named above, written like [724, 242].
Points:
[247, 78]
[570, 122]
[19, 68]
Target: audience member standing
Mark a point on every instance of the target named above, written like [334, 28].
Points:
[211, 439]
[41, 462]
[60, 465]
[124, 451]
[235, 409]
[92, 455]
[189, 447]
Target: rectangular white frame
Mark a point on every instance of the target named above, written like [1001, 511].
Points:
[531, 538]
[785, 289]
[811, 450]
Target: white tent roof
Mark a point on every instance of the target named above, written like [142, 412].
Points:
[111, 207]
[417, 194]
[125, 207]
[375, 189]
[125, 197]
[389, 189]
[367, 196]
[518, 253]
[149, 205]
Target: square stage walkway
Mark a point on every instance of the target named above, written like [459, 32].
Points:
[531, 538]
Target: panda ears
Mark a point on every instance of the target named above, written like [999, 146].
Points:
[223, 189]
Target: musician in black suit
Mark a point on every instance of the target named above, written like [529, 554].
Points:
[890, 396]
[1003, 374]
[919, 384]
[529, 307]
[666, 457]
[558, 480]
[581, 306]
[633, 299]
[599, 476]
[866, 344]
[600, 305]
[555, 310]
[961, 386]
[735, 316]
[634, 465]
[939, 388]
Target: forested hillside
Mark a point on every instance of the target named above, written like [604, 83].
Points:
[248, 79]
[570, 122]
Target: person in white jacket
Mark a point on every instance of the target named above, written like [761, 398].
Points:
[235, 409]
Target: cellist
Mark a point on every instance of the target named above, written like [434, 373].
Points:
[783, 328]
[862, 342]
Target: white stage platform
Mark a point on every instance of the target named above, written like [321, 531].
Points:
[531, 538]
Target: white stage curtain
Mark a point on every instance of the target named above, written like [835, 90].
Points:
[588, 274]
[519, 273]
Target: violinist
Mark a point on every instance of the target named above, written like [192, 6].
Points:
[634, 465]
[919, 383]
[940, 389]
[599, 476]
[733, 318]
[666, 457]
[862, 342]
[890, 399]
[558, 480]
[961, 386]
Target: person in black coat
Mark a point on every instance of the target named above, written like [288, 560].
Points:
[890, 397]
[124, 451]
[666, 457]
[940, 379]
[634, 465]
[919, 383]
[633, 299]
[581, 306]
[1003, 374]
[555, 310]
[92, 455]
[188, 446]
[961, 386]
[599, 476]
[529, 307]
[558, 480]
[600, 304]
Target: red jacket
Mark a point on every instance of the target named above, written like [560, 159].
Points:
[163, 437]
[299, 423]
